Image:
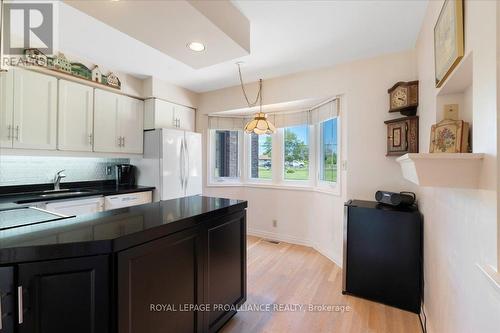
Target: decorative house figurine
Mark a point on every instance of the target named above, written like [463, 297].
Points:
[80, 70]
[36, 57]
[61, 63]
[97, 74]
[113, 81]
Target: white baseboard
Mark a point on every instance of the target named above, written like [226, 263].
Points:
[326, 254]
[291, 240]
[278, 237]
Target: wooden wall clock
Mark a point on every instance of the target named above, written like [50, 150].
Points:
[402, 136]
[403, 98]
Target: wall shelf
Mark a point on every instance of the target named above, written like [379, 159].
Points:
[460, 79]
[442, 169]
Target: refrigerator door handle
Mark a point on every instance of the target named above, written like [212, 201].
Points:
[181, 164]
[186, 162]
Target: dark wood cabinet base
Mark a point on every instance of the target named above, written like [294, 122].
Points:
[186, 280]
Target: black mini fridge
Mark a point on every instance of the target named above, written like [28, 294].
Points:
[383, 254]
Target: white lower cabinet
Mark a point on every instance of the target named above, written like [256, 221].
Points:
[127, 200]
[83, 206]
[76, 206]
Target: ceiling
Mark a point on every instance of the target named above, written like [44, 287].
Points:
[219, 25]
[286, 37]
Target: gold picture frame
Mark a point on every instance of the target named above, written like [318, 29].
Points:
[448, 39]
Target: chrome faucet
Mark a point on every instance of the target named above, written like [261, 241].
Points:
[57, 179]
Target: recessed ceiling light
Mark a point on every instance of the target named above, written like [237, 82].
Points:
[196, 46]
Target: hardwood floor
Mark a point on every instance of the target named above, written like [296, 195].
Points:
[292, 274]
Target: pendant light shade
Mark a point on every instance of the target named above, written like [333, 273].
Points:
[260, 125]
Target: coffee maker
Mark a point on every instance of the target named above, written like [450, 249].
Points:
[125, 175]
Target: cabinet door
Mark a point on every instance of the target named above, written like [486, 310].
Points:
[76, 207]
[63, 296]
[35, 110]
[7, 300]
[185, 117]
[158, 114]
[106, 129]
[131, 117]
[225, 282]
[6, 108]
[194, 172]
[76, 106]
[164, 271]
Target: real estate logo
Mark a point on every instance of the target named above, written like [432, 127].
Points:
[26, 26]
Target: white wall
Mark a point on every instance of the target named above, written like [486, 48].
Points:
[311, 217]
[460, 225]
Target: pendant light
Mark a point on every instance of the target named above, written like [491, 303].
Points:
[259, 124]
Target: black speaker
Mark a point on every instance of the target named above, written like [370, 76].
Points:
[395, 199]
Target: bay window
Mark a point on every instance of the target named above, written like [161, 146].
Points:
[304, 152]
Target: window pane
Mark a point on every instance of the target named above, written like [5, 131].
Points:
[296, 148]
[260, 156]
[226, 154]
[328, 151]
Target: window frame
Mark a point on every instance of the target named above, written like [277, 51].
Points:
[248, 166]
[212, 180]
[324, 184]
[311, 167]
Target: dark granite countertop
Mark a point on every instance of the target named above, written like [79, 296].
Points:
[31, 193]
[110, 231]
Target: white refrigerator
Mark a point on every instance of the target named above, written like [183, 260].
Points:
[171, 163]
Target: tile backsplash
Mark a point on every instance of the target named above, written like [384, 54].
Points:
[21, 170]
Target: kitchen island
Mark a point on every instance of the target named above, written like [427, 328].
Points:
[170, 266]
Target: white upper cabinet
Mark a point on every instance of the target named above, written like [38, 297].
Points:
[118, 123]
[6, 108]
[185, 118]
[106, 131]
[162, 114]
[131, 117]
[35, 110]
[75, 120]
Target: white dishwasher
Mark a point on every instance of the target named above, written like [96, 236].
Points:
[75, 206]
[127, 200]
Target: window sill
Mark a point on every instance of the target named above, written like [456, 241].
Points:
[286, 187]
[492, 275]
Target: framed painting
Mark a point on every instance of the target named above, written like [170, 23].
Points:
[448, 39]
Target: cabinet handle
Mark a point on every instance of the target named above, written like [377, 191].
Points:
[9, 129]
[91, 138]
[20, 304]
[1, 313]
[17, 132]
[123, 145]
[119, 141]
